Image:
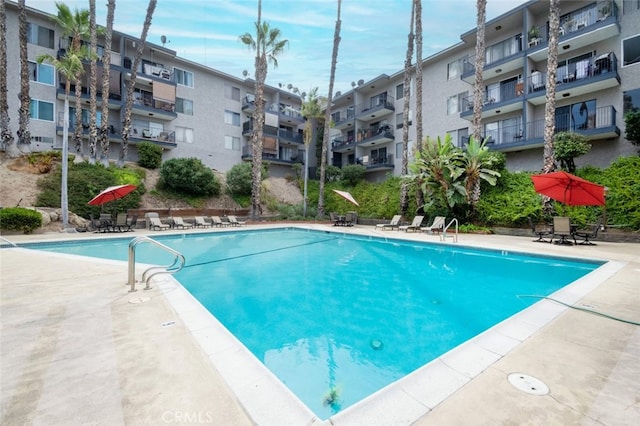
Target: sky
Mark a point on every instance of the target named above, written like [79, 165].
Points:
[373, 33]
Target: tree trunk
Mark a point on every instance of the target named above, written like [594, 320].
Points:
[93, 82]
[478, 88]
[404, 186]
[257, 136]
[24, 136]
[327, 114]
[78, 128]
[418, 19]
[106, 64]
[5, 129]
[64, 199]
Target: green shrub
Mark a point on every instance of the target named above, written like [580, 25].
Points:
[149, 155]
[239, 178]
[20, 219]
[331, 173]
[352, 174]
[189, 175]
[567, 146]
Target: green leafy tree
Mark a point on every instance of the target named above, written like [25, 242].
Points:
[478, 166]
[312, 109]
[632, 127]
[569, 145]
[189, 175]
[239, 180]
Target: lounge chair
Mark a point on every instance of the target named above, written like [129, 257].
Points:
[589, 233]
[415, 225]
[179, 223]
[394, 223]
[156, 225]
[436, 226]
[200, 222]
[562, 230]
[122, 223]
[541, 232]
[234, 221]
[218, 222]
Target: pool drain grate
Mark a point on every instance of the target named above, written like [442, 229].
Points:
[528, 384]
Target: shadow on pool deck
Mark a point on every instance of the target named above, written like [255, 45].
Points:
[75, 349]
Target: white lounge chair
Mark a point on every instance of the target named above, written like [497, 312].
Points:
[436, 226]
[415, 225]
[394, 223]
[179, 223]
[218, 222]
[156, 225]
[234, 221]
[200, 222]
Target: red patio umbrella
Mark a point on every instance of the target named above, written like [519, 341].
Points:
[111, 193]
[569, 189]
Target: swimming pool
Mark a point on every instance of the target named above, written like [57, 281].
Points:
[374, 307]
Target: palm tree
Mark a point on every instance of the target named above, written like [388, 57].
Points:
[476, 164]
[478, 88]
[7, 137]
[312, 110]
[549, 164]
[24, 136]
[75, 25]
[267, 46]
[418, 18]
[106, 64]
[70, 66]
[126, 124]
[93, 82]
[327, 114]
[404, 187]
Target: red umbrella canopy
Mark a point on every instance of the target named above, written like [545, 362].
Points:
[347, 196]
[111, 193]
[569, 189]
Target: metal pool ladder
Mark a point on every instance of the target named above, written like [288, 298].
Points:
[177, 265]
[454, 237]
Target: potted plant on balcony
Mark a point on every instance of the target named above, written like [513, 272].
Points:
[604, 11]
[534, 35]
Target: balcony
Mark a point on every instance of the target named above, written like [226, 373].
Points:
[163, 138]
[580, 28]
[288, 114]
[114, 128]
[247, 129]
[343, 144]
[284, 155]
[501, 59]
[249, 104]
[376, 108]
[375, 136]
[287, 136]
[575, 79]
[376, 163]
[344, 119]
[145, 104]
[600, 124]
[498, 99]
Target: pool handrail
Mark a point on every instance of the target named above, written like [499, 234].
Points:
[11, 243]
[454, 237]
[167, 269]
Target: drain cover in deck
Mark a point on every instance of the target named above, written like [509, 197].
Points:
[528, 384]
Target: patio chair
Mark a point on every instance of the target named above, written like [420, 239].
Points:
[350, 218]
[336, 219]
[96, 225]
[589, 233]
[415, 225]
[562, 229]
[234, 221]
[179, 223]
[394, 223]
[156, 225]
[121, 222]
[219, 222]
[541, 232]
[436, 226]
[200, 222]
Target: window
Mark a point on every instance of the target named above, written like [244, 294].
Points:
[85, 117]
[183, 78]
[400, 120]
[631, 101]
[41, 139]
[41, 110]
[184, 106]
[41, 36]
[42, 73]
[631, 50]
[400, 91]
[459, 137]
[232, 118]
[231, 92]
[232, 142]
[455, 68]
[455, 103]
[184, 134]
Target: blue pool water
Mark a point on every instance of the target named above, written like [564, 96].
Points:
[337, 317]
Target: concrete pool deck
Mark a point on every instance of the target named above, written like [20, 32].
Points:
[78, 348]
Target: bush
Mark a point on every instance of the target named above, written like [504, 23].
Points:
[567, 146]
[352, 174]
[189, 175]
[149, 155]
[331, 174]
[20, 219]
[239, 178]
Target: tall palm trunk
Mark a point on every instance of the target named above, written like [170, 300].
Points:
[478, 88]
[64, 187]
[404, 186]
[126, 123]
[106, 64]
[24, 136]
[78, 128]
[327, 114]
[418, 19]
[549, 164]
[7, 137]
[258, 122]
[93, 82]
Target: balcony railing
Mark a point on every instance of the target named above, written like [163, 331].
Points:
[290, 136]
[495, 94]
[372, 162]
[495, 53]
[591, 68]
[285, 155]
[378, 103]
[247, 129]
[342, 142]
[594, 120]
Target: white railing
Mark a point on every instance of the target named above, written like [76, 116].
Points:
[167, 269]
[454, 237]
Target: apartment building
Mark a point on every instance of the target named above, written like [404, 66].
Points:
[188, 109]
[598, 80]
